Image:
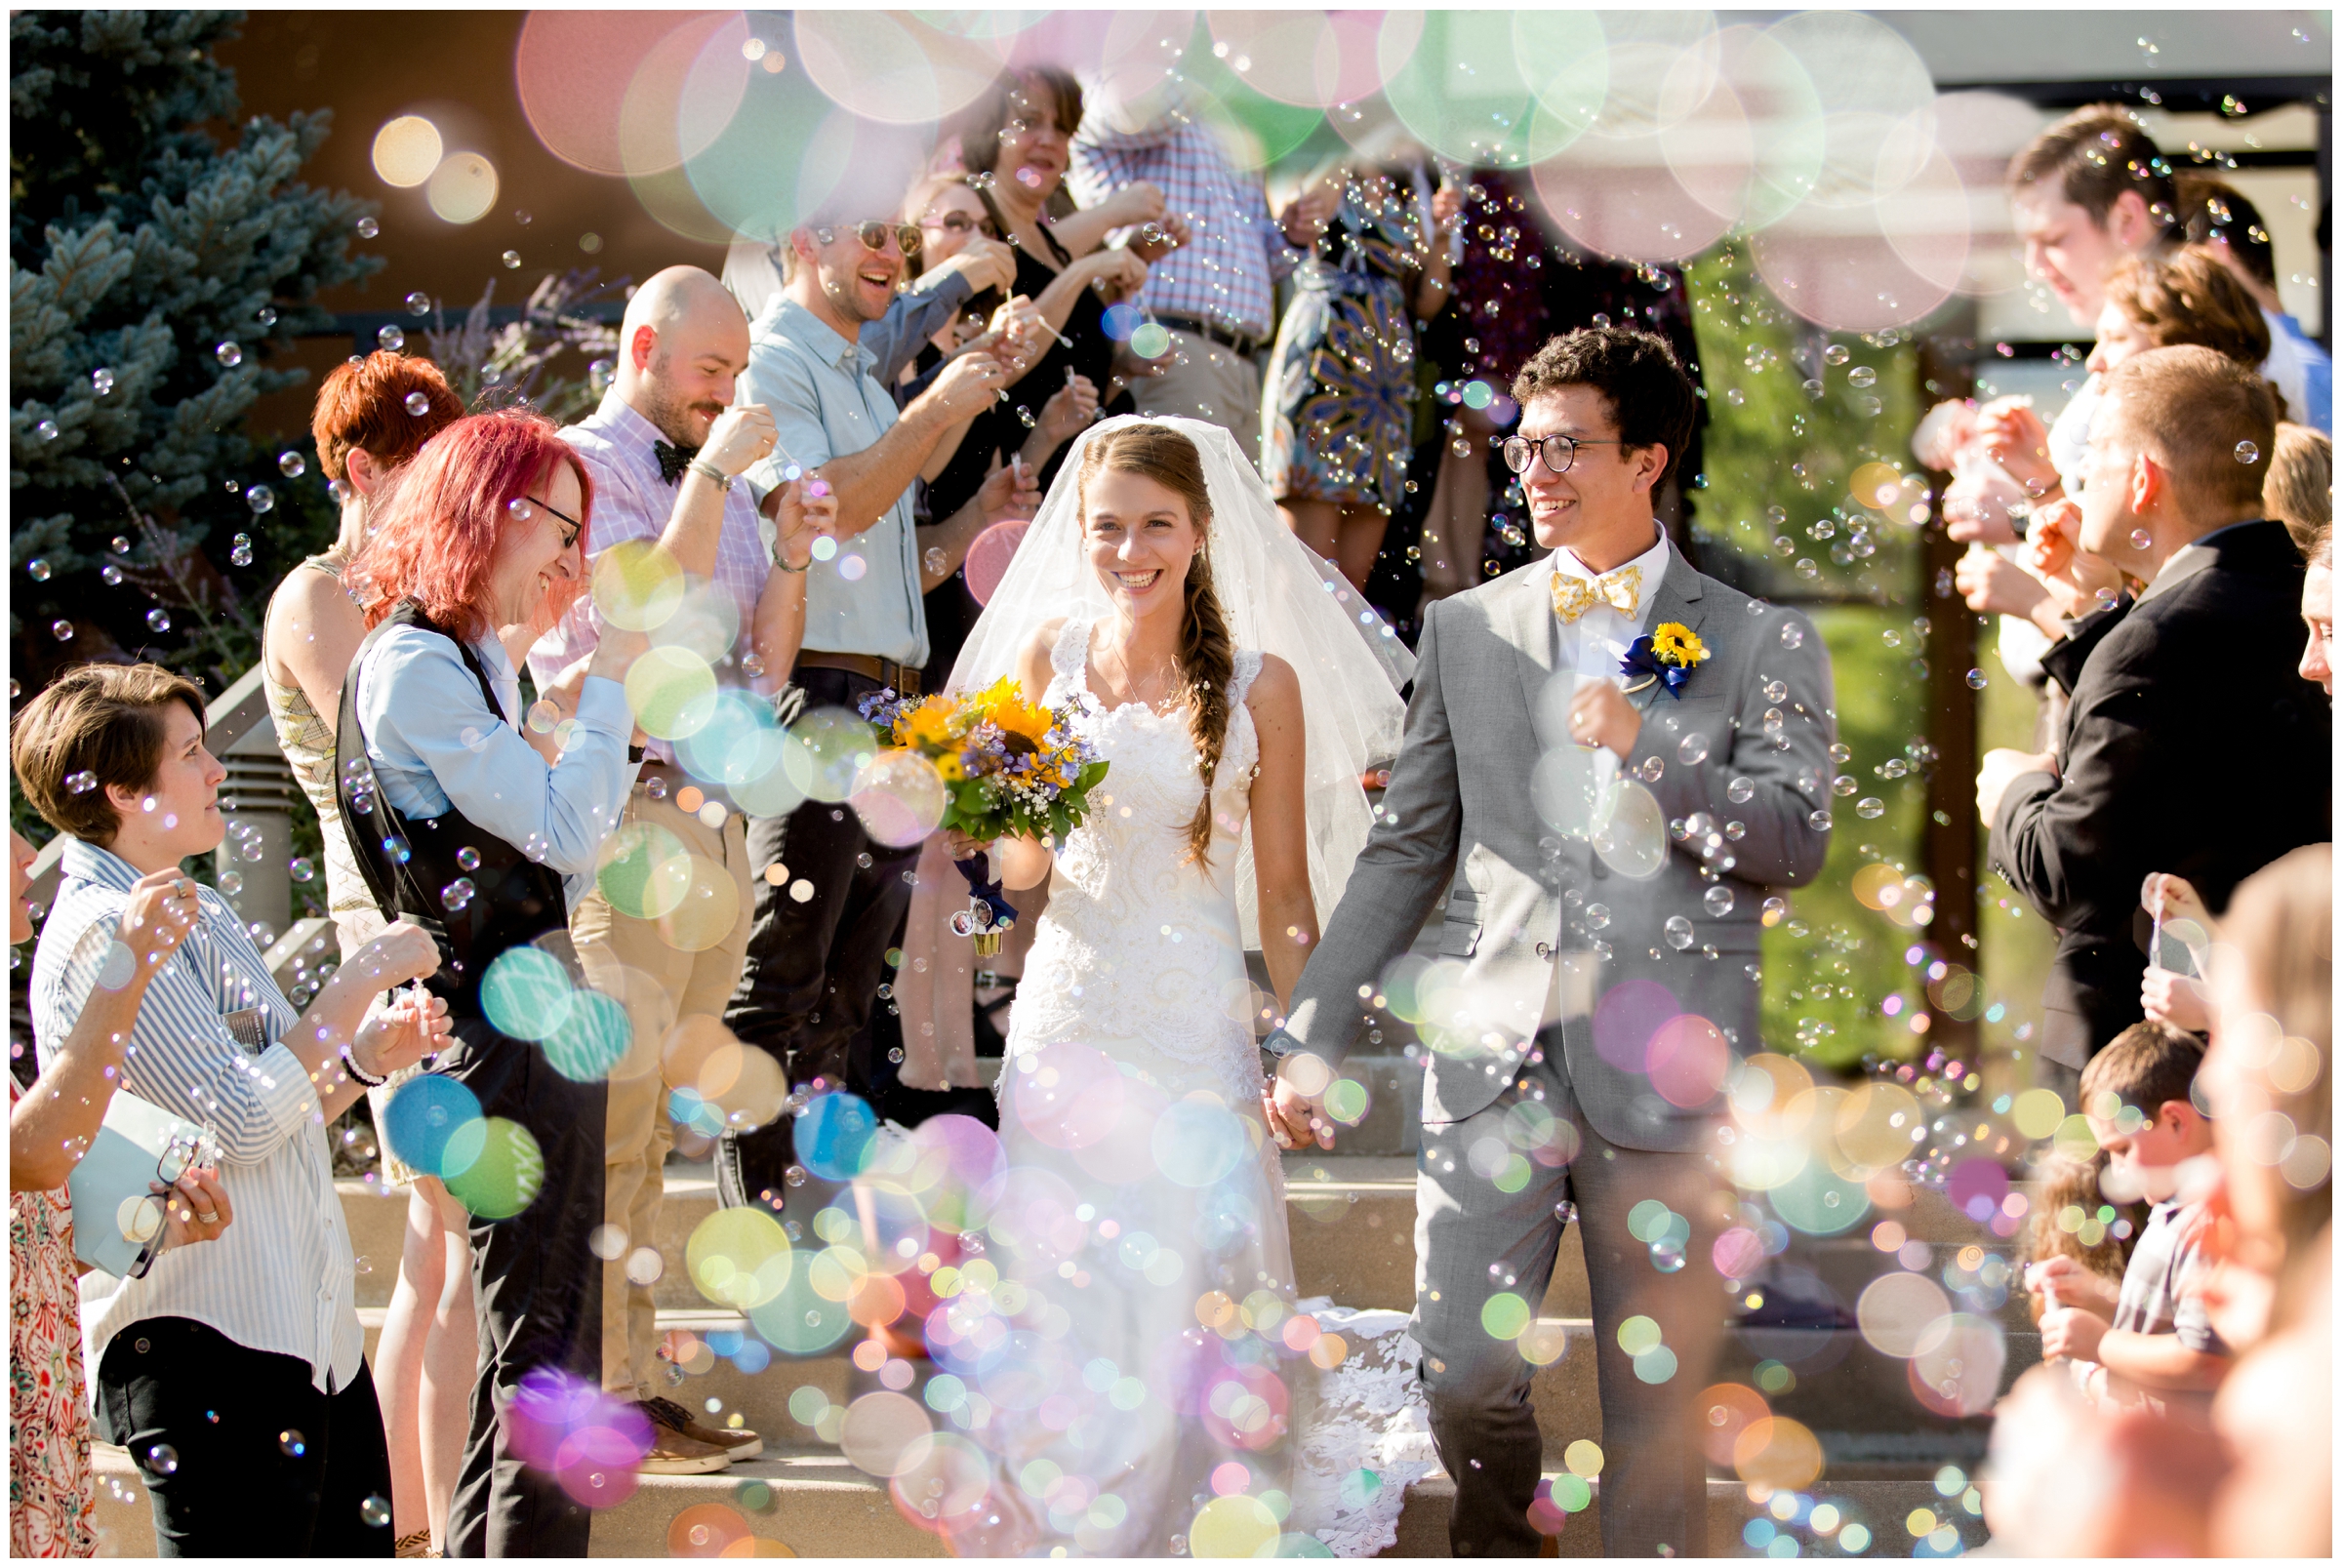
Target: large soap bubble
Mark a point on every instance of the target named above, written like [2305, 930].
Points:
[422, 1114]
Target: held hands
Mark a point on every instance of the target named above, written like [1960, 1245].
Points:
[161, 912]
[966, 387]
[807, 511]
[1169, 234]
[1447, 205]
[412, 1026]
[1069, 411]
[1294, 1109]
[2067, 1283]
[195, 1207]
[1139, 202]
[1008, 490]
[1994, 584]
[2013, 436]
[2078, 582]
[1306, 215]
[1600, 715]
[2002, 768]
[1117, 274]
[404, 951]
[2071, 1334]
[987, 263]
[741, 435]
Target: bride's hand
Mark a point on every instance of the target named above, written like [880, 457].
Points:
[1294, 1117]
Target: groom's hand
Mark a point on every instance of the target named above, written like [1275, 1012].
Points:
[1296, 1119]
[1600, 715]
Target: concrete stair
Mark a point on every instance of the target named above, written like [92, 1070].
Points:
[1352, 1220]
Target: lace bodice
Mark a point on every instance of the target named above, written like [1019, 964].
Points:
[1139, 952]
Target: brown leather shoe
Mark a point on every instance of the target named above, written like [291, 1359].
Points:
[736, 1442]
[674, 1451]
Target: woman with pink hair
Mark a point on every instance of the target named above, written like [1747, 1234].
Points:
[459, 824]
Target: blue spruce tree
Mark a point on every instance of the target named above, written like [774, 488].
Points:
[152, 273]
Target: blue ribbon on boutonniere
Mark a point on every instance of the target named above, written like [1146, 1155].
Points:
[1670, 666]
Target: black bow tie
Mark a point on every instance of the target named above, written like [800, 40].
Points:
[673, 459]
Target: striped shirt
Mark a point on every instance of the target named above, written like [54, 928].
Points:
[631, 502]
[1237, 252]
[282, 1277]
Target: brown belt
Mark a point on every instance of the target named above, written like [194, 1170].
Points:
[904, 678]
[1211, 331]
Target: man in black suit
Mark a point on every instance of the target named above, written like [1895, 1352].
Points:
[2192, 744]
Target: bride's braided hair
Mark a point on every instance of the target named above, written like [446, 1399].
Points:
[1207, 654]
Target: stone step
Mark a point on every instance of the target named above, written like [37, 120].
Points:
[811, 1502]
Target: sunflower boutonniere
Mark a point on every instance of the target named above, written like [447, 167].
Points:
[1666, 654]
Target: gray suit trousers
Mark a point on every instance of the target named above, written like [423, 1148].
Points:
[1473, 1240]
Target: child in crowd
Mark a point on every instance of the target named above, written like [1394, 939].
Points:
[2149, 1335]
[2069, 1237]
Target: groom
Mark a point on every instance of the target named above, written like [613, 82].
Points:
[1608, 929]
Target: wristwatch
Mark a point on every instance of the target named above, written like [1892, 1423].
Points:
[713, 474]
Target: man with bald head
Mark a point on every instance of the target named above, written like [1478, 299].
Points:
[667, 450]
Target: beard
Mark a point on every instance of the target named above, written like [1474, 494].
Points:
[674, 417]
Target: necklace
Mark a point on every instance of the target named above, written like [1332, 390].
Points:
[1164, 678]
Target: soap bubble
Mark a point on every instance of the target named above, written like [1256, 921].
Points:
[392, 337]
[292, 1442]
[368, 228]
[526, 994]
[38, 570]
[1693, 751]
[61, 631]
[2141, 540]
[1150, 340]
[1862, 376]
[419, 303]
[304, 869]
[419, 404]
[82, 782]
[102, 379]
[2246, 451]
[228, 354]
[1717, 900]
[266, 315]
[110, 574]
[1740, 791]
[1679, 932]
[1870, 807]
[375, 1512]
[261, 499]
[292, 464]
[231, 883]
[1977, 680]
[163, 1460]
[511, 260]
[1819, 821]
[458, 894]
[159, 619]
[1793, 635]
[46, 429]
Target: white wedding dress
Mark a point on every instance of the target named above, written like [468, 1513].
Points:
[1145, 1195]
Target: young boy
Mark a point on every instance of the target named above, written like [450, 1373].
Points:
[2151, 1335]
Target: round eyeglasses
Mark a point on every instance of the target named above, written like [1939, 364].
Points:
[873, 233]
[1559, 451]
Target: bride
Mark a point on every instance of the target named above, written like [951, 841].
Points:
[1239, 690]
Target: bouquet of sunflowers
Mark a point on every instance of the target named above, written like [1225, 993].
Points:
[1010, 769]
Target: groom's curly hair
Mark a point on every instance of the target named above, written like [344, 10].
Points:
[1651, 400]
[1207, 653]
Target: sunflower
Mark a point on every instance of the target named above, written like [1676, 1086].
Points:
[1674, 644]
[926, 727]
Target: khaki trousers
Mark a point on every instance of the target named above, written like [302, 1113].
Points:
[1208, 382]
[660, 971]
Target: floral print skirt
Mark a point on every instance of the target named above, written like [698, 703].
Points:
[52, 1492]
[1338, 411]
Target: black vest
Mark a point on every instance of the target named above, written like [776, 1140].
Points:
[411, 865]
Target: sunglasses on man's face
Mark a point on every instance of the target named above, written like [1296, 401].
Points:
[874, 235]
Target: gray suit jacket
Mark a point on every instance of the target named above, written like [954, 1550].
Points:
[1468, 791]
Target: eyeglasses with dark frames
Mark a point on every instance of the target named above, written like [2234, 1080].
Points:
[1519, 451]
[576, 528]
[963, 223]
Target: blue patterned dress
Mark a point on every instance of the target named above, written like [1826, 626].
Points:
[1339, 405]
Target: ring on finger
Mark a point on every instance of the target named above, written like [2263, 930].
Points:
[208, 1218]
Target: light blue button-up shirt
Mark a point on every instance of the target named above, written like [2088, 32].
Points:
[434, 744]
[826, 403]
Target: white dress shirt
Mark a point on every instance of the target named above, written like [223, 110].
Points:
[1593, 644]
[282, 1279]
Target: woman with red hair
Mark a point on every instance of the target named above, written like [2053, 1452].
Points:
[459, 824]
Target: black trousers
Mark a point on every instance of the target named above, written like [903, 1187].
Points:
[813, 968]
[539, 1290]
[241, 1455]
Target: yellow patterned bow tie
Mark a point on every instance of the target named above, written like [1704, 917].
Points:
[1620, 590]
